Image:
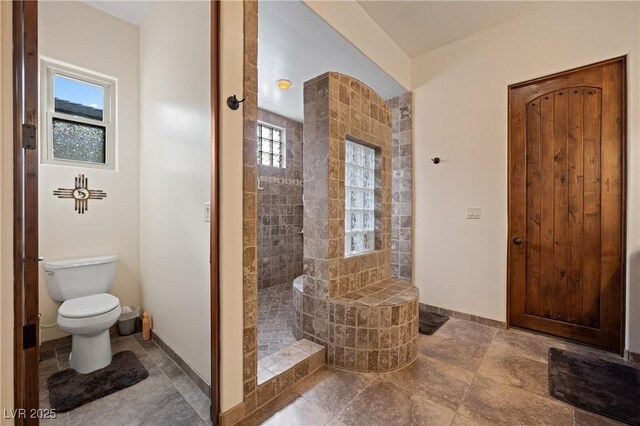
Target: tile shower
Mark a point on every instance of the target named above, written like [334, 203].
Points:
[351, 304]
[280, 223]
[280, 209]
[279, 237]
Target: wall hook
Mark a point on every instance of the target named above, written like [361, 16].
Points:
[233, 102]
[436, 160]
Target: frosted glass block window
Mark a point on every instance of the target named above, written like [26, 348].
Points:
[79, 113]
[359, 200]
[271, 146]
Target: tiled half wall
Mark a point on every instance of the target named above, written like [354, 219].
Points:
[338, 296]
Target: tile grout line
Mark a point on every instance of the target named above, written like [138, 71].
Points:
[168, 378]
[464, 398]
[475, 375]
[350, 401]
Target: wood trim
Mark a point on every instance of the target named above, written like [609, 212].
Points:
[18, 359]
[623, 266]
[569, 71]
[25, 193]
[215, 214]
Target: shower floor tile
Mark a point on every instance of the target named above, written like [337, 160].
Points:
[275, 319]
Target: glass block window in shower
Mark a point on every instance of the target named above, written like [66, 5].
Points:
[271, 146]
[359, 180]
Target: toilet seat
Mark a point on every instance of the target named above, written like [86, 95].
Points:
[88, 306]
[91, 325]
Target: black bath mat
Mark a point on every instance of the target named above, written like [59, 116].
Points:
[596, 384]
[430, 322]
[69, 389]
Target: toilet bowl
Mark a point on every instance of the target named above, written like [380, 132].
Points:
[88, 320]
[87, 311]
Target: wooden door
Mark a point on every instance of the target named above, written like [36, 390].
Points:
[567, 204]
[25, 210]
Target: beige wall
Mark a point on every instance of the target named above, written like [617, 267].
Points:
[231, 133]
[175, 172]
[350, 20]
[460, 115]
[83, 36]
[6, 214]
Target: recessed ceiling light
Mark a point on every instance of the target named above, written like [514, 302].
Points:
[283, 84]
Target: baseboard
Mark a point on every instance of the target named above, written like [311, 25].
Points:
[233, 415]
[463, 316]
[632, 356]
[190, 372]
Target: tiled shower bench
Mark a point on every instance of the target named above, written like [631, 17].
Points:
[372, 329]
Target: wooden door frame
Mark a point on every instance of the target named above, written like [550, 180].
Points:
[25, 239]
[623, 265]
[215, 212]
[25, 209]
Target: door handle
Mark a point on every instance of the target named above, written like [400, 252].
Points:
[519, 240]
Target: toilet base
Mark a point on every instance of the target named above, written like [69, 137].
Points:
[90, 353]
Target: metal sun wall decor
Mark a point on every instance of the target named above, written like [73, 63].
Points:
[81, 194]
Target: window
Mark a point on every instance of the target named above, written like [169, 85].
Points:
[359, 203]
[78, 111]
[271, 146]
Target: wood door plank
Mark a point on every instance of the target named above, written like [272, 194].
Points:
[612, 197]
[517, 214]
[546, 205]
[576, 207]
[560, 204]
[591, 220]
[533, 207]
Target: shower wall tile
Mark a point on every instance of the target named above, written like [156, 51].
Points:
[401, 186]
[280, 238]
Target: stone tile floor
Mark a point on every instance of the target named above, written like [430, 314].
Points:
[465, 374]
[275, 319]
[167, 397]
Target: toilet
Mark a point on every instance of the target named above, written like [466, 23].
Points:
[88, 310]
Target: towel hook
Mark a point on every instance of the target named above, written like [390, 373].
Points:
[436, 160]
[233, 102]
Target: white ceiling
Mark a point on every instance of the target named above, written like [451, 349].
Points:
[133, 12]
[296, 44]
[420, 26]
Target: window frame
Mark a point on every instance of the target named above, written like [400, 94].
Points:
[283, 142]
[48, 70]
[374, 201]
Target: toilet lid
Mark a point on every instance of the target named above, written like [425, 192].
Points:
[88, 306]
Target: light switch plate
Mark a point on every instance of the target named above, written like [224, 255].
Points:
[473, 213]
[207, 212]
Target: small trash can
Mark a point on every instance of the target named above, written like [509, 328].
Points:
[128, 320]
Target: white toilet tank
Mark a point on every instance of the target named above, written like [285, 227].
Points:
[71, 278]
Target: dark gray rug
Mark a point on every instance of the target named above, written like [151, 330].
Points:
[430, 322]
[596, 384]
[69, 389]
